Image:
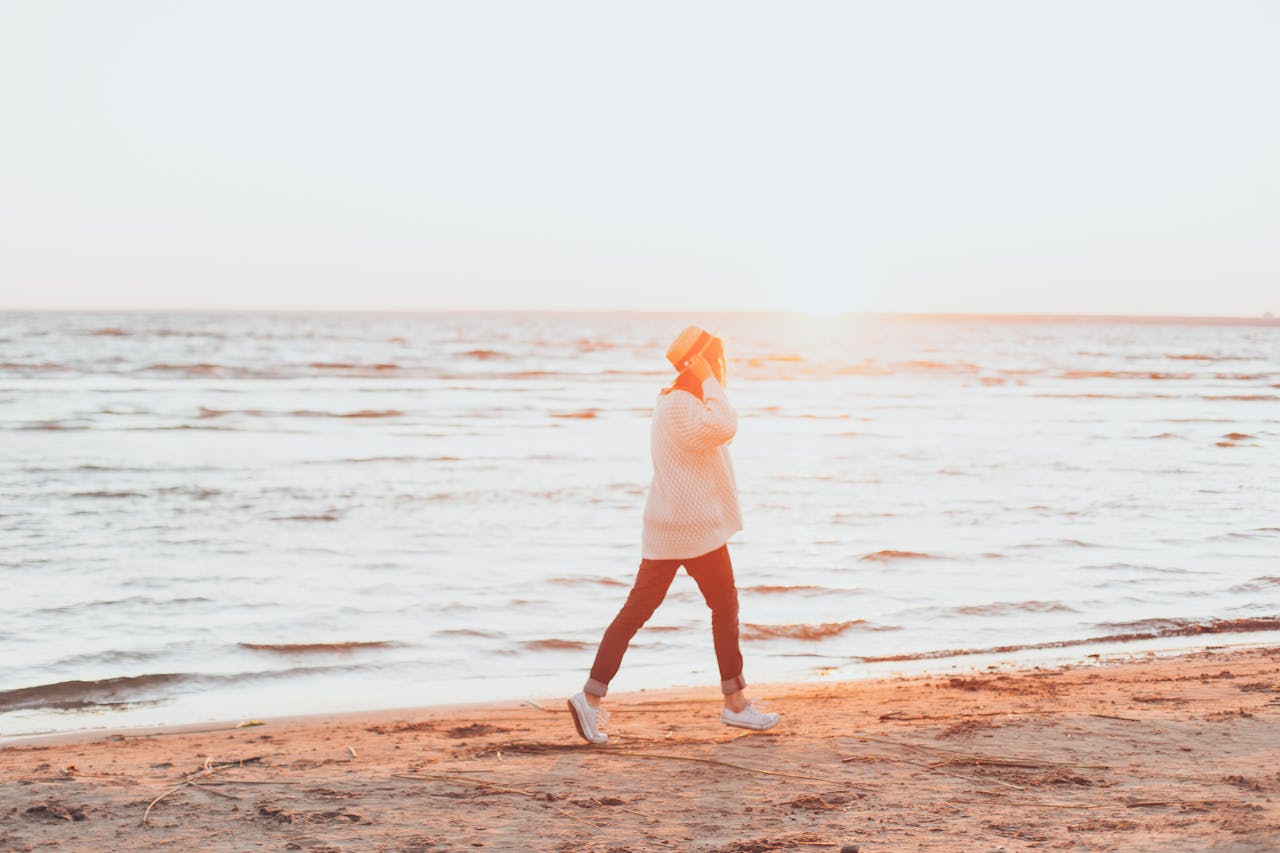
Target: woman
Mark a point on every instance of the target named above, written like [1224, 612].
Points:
[691, 512]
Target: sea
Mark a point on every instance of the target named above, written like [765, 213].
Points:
[234, 516]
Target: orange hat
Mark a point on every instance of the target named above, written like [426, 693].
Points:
[690, 342]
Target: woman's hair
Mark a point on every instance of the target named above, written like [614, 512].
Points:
[714, 355]
[685, 381]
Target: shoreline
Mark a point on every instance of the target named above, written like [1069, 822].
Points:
[1048, 655]
[1144, 752]
[1054, 655]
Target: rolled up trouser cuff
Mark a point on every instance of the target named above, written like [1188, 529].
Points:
[733, 685]
[595, 688]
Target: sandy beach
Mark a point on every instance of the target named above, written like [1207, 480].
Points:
[1146, 753]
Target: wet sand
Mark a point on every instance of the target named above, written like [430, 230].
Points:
[1169, 753]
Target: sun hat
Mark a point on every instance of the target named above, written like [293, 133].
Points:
[690, 342]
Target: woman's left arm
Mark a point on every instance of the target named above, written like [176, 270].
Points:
[707, 423]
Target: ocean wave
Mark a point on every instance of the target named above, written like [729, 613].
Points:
[44, 365]
[595, 580]
[1235, 535]
[117, 602]
[113, 656]
[364, 459]
[206, 412]
[1250, 397]
[180, 428]
[786, 368]
[205, 369]
[198, 492]
[372, 370]
[584, 414]
[1203, 357]
[80, 694]
[194, 333]
[1003, 608]
[467, 632]
[1048, 396]
[1164, 570]
[128, 690]
[522, 374]
[118, 332]
[1123, 374]
[585, 345]
[1171, 629]
[362, 413]
[935, 367]
[1058, 543]
[768, 589]
[557, 645]
[318, 648]
[376, 367]
[805, 631]
[887, 555]
[1158, 624]
[1258, 584]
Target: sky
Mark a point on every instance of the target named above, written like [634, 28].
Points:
[1022, 157]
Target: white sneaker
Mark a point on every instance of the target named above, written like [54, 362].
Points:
[587, 719]
[749, 718]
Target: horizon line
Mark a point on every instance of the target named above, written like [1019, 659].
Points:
[1264, 319]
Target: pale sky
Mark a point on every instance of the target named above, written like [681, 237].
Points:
[1068, 157]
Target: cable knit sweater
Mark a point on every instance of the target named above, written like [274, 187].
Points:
[693, 501]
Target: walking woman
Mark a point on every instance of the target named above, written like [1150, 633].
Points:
[691, 512]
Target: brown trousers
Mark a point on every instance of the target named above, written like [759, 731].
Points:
[713, 573]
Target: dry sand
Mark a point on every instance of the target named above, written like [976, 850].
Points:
[1179, 753]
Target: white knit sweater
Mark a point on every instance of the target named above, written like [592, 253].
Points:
[693, 501]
